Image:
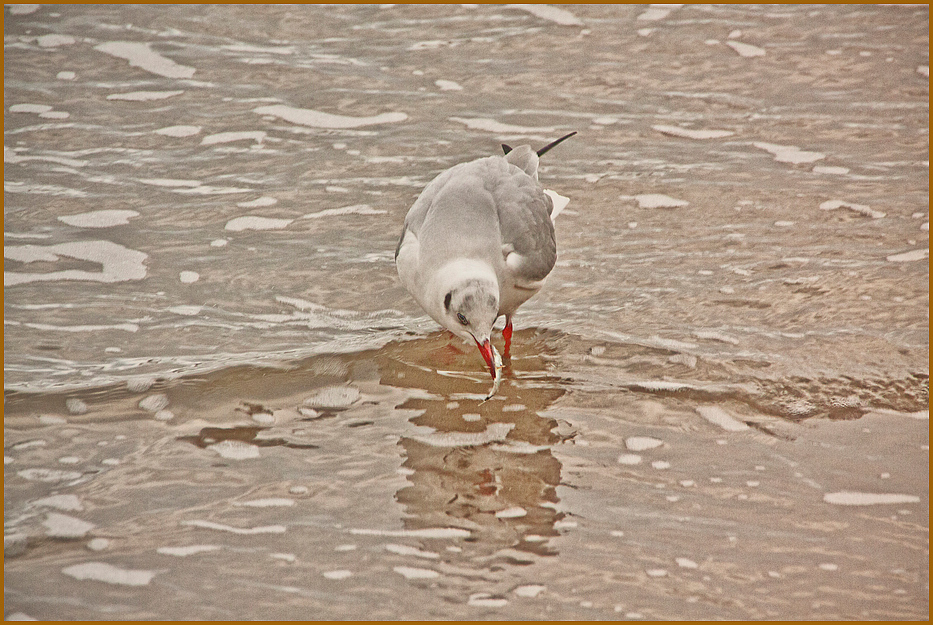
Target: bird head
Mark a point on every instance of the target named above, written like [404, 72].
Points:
[470, 309]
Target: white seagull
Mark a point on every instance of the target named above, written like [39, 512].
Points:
[478, 242]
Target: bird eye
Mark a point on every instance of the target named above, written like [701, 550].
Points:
[462, 319]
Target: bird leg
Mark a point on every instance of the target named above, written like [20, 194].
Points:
[507, 335]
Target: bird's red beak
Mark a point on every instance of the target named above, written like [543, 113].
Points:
[485, 348]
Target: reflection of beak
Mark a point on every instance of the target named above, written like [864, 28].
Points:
[485, 348]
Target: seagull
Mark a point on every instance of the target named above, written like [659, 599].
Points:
[479, 242]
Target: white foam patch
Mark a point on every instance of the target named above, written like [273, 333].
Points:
[718, 416]
[189, 277]
[529, 590]
[24, 235]
[405, 550]
[852, 498]
[144, 96]
[98, 544]
[154, 403]
[264, 418]
[188, 311]
[923, 70]
[19, 616]
[22, 9]
[830, 169]
[661, 465]
[269, 502]
[228, 137]
[861, 209]
[51, 419]
[127, 327]
[318, 119]
[657, 12]
[656, 572]
[789, 153]
[99, 219]
[41, 189]
[68, 503]
[491, 125]
[30, 108]
[448, 85]
[243, 47]
[337, 575]
[746, 50]
[485, 600]
[30, 444]
[518, 447]
[235, 450]
[142, 56]
[179, 131]
[64, 526]
[663, 385]
[911, 256]
[47, 475]
[75, 405]
[109, 574]
[204, 189]
[658, 200]
[242, 531]
[170, 182]
[339, 397]
[410, 572]
[259, 202]
[119, 264]
[689, 133]
[495, 432]
[515, 512]
[430, 532]
[629, 459]
[642, 443]
[713, 335]
[53, 40]
[431, 44]
[10, 156]
[549, 13]
[686, 563]
[251, 222]
[184, 552]
[356, 209]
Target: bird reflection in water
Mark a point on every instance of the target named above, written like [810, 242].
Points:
[503, 489]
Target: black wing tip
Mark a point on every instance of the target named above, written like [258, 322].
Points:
[554, 143]
[506, 148]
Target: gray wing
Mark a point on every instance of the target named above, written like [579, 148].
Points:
[528, 240]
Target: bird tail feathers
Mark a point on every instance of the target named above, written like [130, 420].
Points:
[560, 203]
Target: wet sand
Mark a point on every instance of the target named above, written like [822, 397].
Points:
[220, 404]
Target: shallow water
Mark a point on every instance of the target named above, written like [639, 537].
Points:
[208, 357]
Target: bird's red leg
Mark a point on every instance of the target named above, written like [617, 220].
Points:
[507, 335]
